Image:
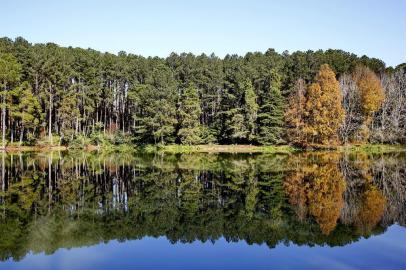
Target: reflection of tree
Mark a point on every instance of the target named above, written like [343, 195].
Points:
[326, 196]
[81, 199]
[252, 191]
[371, 210]
[296, 189]
[391, 179]
[190, 192]
[317, 188]
[365, 203]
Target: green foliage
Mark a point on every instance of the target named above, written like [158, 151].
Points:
[69, 115]
[236, 126]
[251, 109]
[25, 110]
[10, 69]
[208, 135]
[271, 114]
[45, 142]
[189, 117]
[155, 123]
[184, 98]
[79, 142]
[10, 73]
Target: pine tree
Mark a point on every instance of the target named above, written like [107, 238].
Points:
[271, 113]
[189, 116]
[250, 108]
[156, 117]
[236, 126]
[68, 115]
[25, 109]
[10, 72]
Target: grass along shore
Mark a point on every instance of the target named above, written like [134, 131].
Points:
[214, 148]
[274, 149]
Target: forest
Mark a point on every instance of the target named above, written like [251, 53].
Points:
[53, 95]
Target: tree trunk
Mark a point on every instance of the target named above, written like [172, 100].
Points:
[50, 118]
[11, 124]
[3, 117]
[49, 182]
[104, 121]
[21, 136]
[3, 180]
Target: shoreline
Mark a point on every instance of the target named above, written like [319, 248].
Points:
[215, 148]
[34, 148]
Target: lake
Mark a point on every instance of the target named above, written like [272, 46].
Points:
[80, 210]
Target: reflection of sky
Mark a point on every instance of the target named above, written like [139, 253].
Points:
[386, 251]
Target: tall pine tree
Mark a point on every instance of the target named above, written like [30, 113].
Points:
[25, 110]
[251, 109]
[68, 114]
[10, 72]
[237, 128]
[189, 116]
[271, 113]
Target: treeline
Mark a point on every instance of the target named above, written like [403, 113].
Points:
[58, 95]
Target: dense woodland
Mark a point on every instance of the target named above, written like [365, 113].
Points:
[57, 95]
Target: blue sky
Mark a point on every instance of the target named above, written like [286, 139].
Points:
[374, 28]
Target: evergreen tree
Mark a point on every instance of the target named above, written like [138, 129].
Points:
[251, 109]
[271, 113]
[237, 126]
[189, 116]
[10, 72]
[156, 117]
[68, 114]
[26, 110]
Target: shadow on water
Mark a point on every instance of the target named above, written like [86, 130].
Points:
[73, 199]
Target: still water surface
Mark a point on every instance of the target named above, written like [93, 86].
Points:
[202, 211]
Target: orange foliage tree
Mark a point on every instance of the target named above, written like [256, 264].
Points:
[320, 114]
[371, 94]
[294, 114]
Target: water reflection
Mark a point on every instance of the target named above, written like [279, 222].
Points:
[315, 188]
[56, 200]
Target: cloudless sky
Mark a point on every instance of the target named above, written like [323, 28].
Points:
[157, 28]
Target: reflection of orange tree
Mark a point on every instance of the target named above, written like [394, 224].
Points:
[371, 210]
[373, 202]
[368, 200]
[295, 188]
[317, 188]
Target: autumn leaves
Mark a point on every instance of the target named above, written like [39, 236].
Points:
[316, 113]
[318, 188]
